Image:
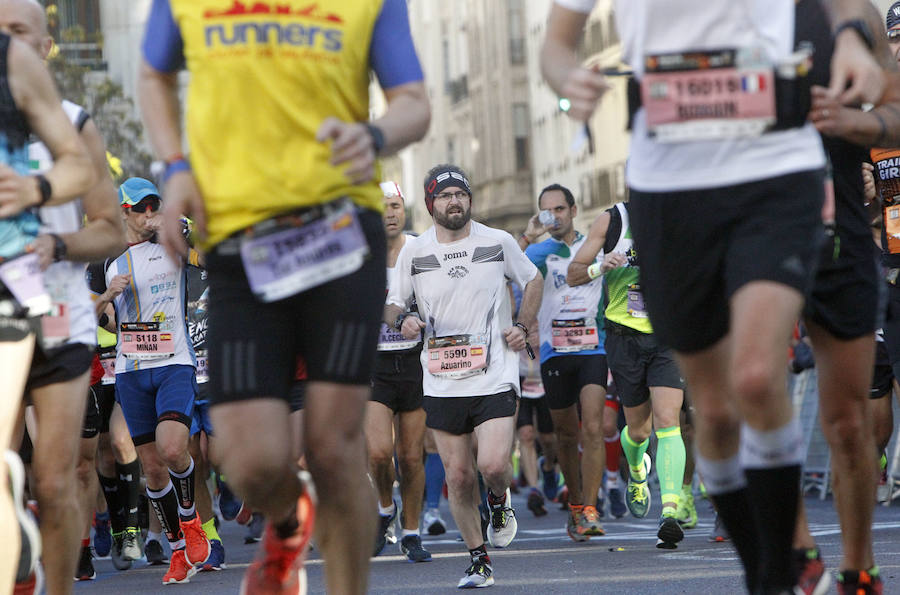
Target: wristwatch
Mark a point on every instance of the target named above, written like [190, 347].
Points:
[60, 250]
[44, 188]
[861, 27]
[377, 137]
[399, 322]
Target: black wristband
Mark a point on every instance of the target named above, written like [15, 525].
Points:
[862, 29]
[377, 137]
[523, 327]
[103, 320]
[60, 250]
[44, 188]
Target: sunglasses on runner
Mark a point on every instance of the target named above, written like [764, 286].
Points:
[150, 203]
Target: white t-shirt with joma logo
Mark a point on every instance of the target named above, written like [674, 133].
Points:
[462, 294]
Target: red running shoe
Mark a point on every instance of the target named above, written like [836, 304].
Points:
[810, 569]
[196, 544]
[278, 567]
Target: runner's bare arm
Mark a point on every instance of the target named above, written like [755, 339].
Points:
[103, 236]
[158, 92]
[852, 63]
[35, 94]
[412, 324]
[405, 121]
[407, 117]
[559, 63]
[877, 127]
[391, 312]
[587, 254]
[531, 303]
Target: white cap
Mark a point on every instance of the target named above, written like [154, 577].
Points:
[391, 189]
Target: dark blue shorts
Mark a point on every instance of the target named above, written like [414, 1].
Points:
[150, 396]
[202, 423]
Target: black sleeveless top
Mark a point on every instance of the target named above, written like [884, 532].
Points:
[812, 25]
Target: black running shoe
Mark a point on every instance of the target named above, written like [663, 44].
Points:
[536, 502]
[384, 523]
[669, 534]
[154, 552]
[719, 534]
[411, 545]
[85, 570]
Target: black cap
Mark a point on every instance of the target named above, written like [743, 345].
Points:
[893, 16]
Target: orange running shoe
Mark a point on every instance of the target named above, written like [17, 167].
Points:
[180, 570]
[573, 522]
[589, 523]
[278, 567]
[196, 544]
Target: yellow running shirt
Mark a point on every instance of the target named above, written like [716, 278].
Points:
[264, 76]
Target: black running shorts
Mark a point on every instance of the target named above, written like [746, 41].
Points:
[892, 327]
[535, 412]
[563, 377]
[253, 346]
[698, 247]
[845, 295]
[101, 399]
[637, 362]
[883, 374]
[61, 364]
[397, 382]
[461, 415]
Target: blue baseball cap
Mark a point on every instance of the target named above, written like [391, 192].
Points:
[134, 190]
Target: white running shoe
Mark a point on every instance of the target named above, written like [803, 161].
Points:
[478, 574]
[503, 522]
[31, 535]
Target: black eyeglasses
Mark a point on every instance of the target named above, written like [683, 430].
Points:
[148, 203]
[459, 195]
[893, 34]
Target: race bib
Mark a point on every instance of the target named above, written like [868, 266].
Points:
[636, 307]
[108, 363]
[22, 277]
[202, 367]
[391, 340]
[55, 328]
[144, 340]
[457, 356]
[532, 388]
[574, 335]
[289, 259]
[709, 95]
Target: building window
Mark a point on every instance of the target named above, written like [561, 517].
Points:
[520, 131]
[516, 32]
[445, 53]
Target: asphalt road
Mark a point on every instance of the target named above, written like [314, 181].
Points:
[542, 559]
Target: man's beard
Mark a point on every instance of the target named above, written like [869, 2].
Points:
[455, 221]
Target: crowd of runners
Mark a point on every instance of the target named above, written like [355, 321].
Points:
[258, 325]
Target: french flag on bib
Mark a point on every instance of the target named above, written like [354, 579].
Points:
[753, 83]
